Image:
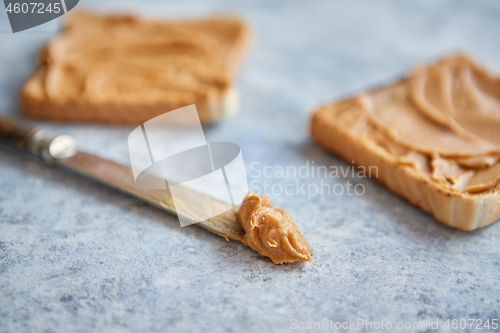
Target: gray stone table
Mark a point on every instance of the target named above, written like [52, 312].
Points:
[79, 257]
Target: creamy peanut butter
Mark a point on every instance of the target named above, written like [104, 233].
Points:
[444, 120]
[102, 58]
[271, 231]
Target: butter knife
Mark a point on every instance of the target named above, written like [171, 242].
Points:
[61, 151]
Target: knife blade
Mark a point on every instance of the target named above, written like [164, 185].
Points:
[61, 151]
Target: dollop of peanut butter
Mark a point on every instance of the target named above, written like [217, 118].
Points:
[271, 231]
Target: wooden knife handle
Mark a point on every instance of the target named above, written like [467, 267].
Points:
[16, 133]
[34, 141]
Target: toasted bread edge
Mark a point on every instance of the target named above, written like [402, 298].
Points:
[465, 211]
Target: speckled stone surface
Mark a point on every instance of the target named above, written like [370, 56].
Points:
[79, 257]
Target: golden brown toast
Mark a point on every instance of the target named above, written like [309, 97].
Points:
[434, 137]
[127, 70]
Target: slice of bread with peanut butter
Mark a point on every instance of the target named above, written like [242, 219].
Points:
[434, 137]
[127, 70]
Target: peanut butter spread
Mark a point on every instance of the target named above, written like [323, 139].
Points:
[104, 58]
[271, 231]
[444, 121]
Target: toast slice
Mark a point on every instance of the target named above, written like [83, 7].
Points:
[127, 70]
[434, 138]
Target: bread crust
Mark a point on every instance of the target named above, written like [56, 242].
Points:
[37, 103]
[462, 210]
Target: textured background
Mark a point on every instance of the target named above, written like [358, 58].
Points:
[77, 256]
